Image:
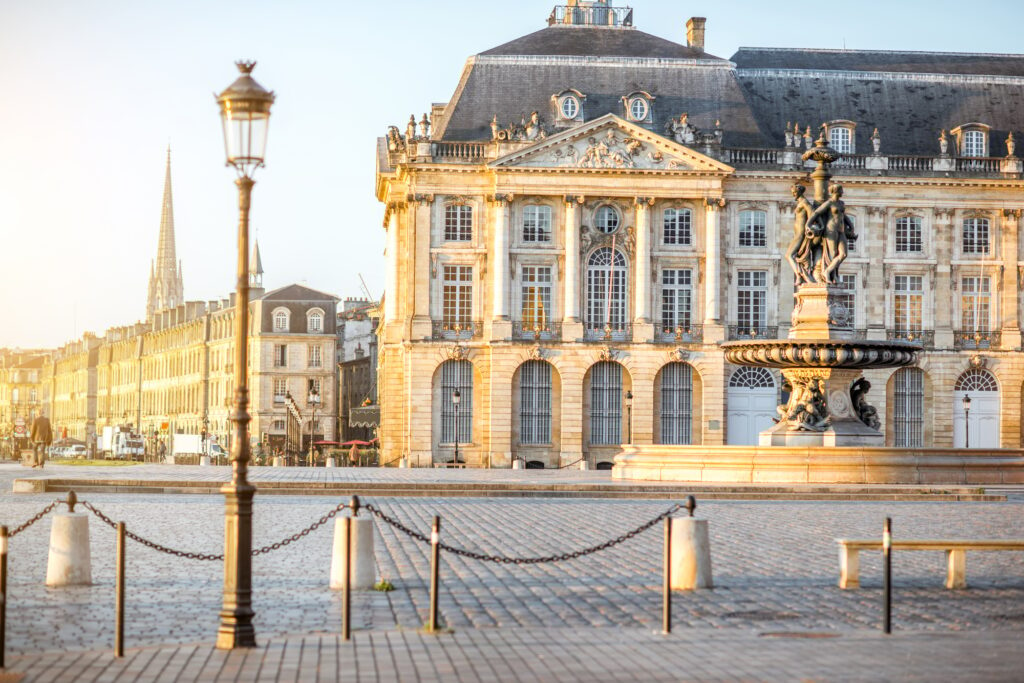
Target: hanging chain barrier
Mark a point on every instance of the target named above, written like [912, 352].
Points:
[42, 513]
[572, 464]
[504, 559]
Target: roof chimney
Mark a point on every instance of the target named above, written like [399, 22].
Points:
[695, 33]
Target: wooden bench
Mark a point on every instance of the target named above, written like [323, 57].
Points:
[956, 556]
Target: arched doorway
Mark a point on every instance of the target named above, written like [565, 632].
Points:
[678, 399]
[536, 412]
[605, 419]
[981, 429]
[453, 422]
[906, 424]
[750, 405]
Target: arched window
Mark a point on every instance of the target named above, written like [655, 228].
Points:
[456, 374]
[606, 290]
[281, 317]
[606, 219]
[606, 403]
[676, 227]
[752, 378]
[535, 402]
[908, 408]
[976, 379]
[976, 413]
[676, 403]
[315, 322]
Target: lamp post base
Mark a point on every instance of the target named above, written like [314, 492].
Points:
[236, 629]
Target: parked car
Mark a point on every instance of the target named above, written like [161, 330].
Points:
[77, 451]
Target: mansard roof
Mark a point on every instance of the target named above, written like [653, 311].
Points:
[297, 293]
[890, 61]
[593, 41]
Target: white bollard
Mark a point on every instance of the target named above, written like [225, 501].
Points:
[204, 461]
[331, 462]
[517, 464]
[278, 461]
[584, 465]
[69, 563]
[691, 554]
[403, 462]
[362, 568]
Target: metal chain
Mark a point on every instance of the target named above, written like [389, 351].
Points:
[42, 513]
[504, 559]
[294, 537]
[562, 467]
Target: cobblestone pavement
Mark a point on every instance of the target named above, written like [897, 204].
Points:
[556, 655]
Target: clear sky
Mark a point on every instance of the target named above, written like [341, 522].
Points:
[92, 92]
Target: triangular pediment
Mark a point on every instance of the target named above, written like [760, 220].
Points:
[610, 143]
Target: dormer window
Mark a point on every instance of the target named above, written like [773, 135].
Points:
[638, 107]
[281, 317]
[315, 321]
[840, 136]
[568, 105]
[972, 139]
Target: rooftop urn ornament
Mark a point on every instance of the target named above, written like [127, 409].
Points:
[1011, 146]
[876, 142]
[943, 143]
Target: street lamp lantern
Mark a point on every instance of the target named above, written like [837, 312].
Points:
[456, 400]
[967, 420]
[629, 417]
[245, 113]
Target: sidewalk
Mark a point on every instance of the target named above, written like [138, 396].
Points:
[562, 655]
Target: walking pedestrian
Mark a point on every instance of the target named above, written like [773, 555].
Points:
[42, 437]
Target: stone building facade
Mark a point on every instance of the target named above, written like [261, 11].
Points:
[595, 209]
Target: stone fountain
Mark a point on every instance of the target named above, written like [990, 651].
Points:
[821, 359]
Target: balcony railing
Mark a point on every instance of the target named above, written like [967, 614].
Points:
[910, 163]
[759, 157]
[854, 161]
[456, 330]
[598, 332]
[680, 334]
[744, 332]
[536, 331]
[979, 164]
[460, 151]
[975, 339]
[591, 16]
[924, 337]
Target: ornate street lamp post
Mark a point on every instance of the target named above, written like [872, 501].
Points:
[314, 401]
[245, 113]
[629, 417]
[456, 399]
[967, 420]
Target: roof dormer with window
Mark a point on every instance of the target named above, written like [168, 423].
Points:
[972, 139]
[639, 107]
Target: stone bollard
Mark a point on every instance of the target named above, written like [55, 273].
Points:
[204, 461]
[691, 554]
[278, 461]
[331, 462]
[517, 464]
[403, 462]
[362, 568]
[584, 465]
[69, 563]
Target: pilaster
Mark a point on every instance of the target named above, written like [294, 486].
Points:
[572, 327]
[713, 328]
[1009, 289]
[422, 205]
[943, 278]
[501, 326]
[874, 247]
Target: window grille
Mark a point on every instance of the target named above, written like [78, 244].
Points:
[751, 299]
[976, 380]
[907, 303]
[752, 378]
[536, 223]
[753, 232]
[606, 403]
[676, 298]
[536, 290]
[908, 235]
[908, 408]
[975, 304]
[458, 222]
[601, 309]
[457, 300]
[973, 144]
[535, 402]
[840, 139]
[456, 374]
[975, 236]
[677, 227]
[676, 403]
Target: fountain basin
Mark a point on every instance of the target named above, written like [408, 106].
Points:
[821, 353]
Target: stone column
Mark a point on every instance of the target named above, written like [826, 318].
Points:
[713, 329]
[1009, 322]
[391, 293]
[874, 289]
[942, 237]
[501, 327]
[422, 206]
[643, 330]
[786, 287]
[572, 327]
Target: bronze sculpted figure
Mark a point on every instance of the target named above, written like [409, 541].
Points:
[836, 230]
[799, 252]
[867, 413]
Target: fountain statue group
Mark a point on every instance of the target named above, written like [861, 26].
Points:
[820, 236]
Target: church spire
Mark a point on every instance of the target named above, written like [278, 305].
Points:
[256, 266]
[165, 286]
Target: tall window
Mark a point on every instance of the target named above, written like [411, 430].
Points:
[847, 284]
[280, 389]
[676, 298]
[751, 300]
[840, 139]
[313, 354]
[315, 322]
[280, 355]
[975, 304]
[908, 408]
[456, 374]
[458, 222]
[851, 242]
[536, 288]
[676, 227]
[752, 229]
[975, 236]
[908, 294]
[457, 294]
[973, 144]
[676, 403]
[313, 387]
[606, 289]
[606, 403]
[535, 402]
[908, 235]
[281, 320]
[536, 223]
